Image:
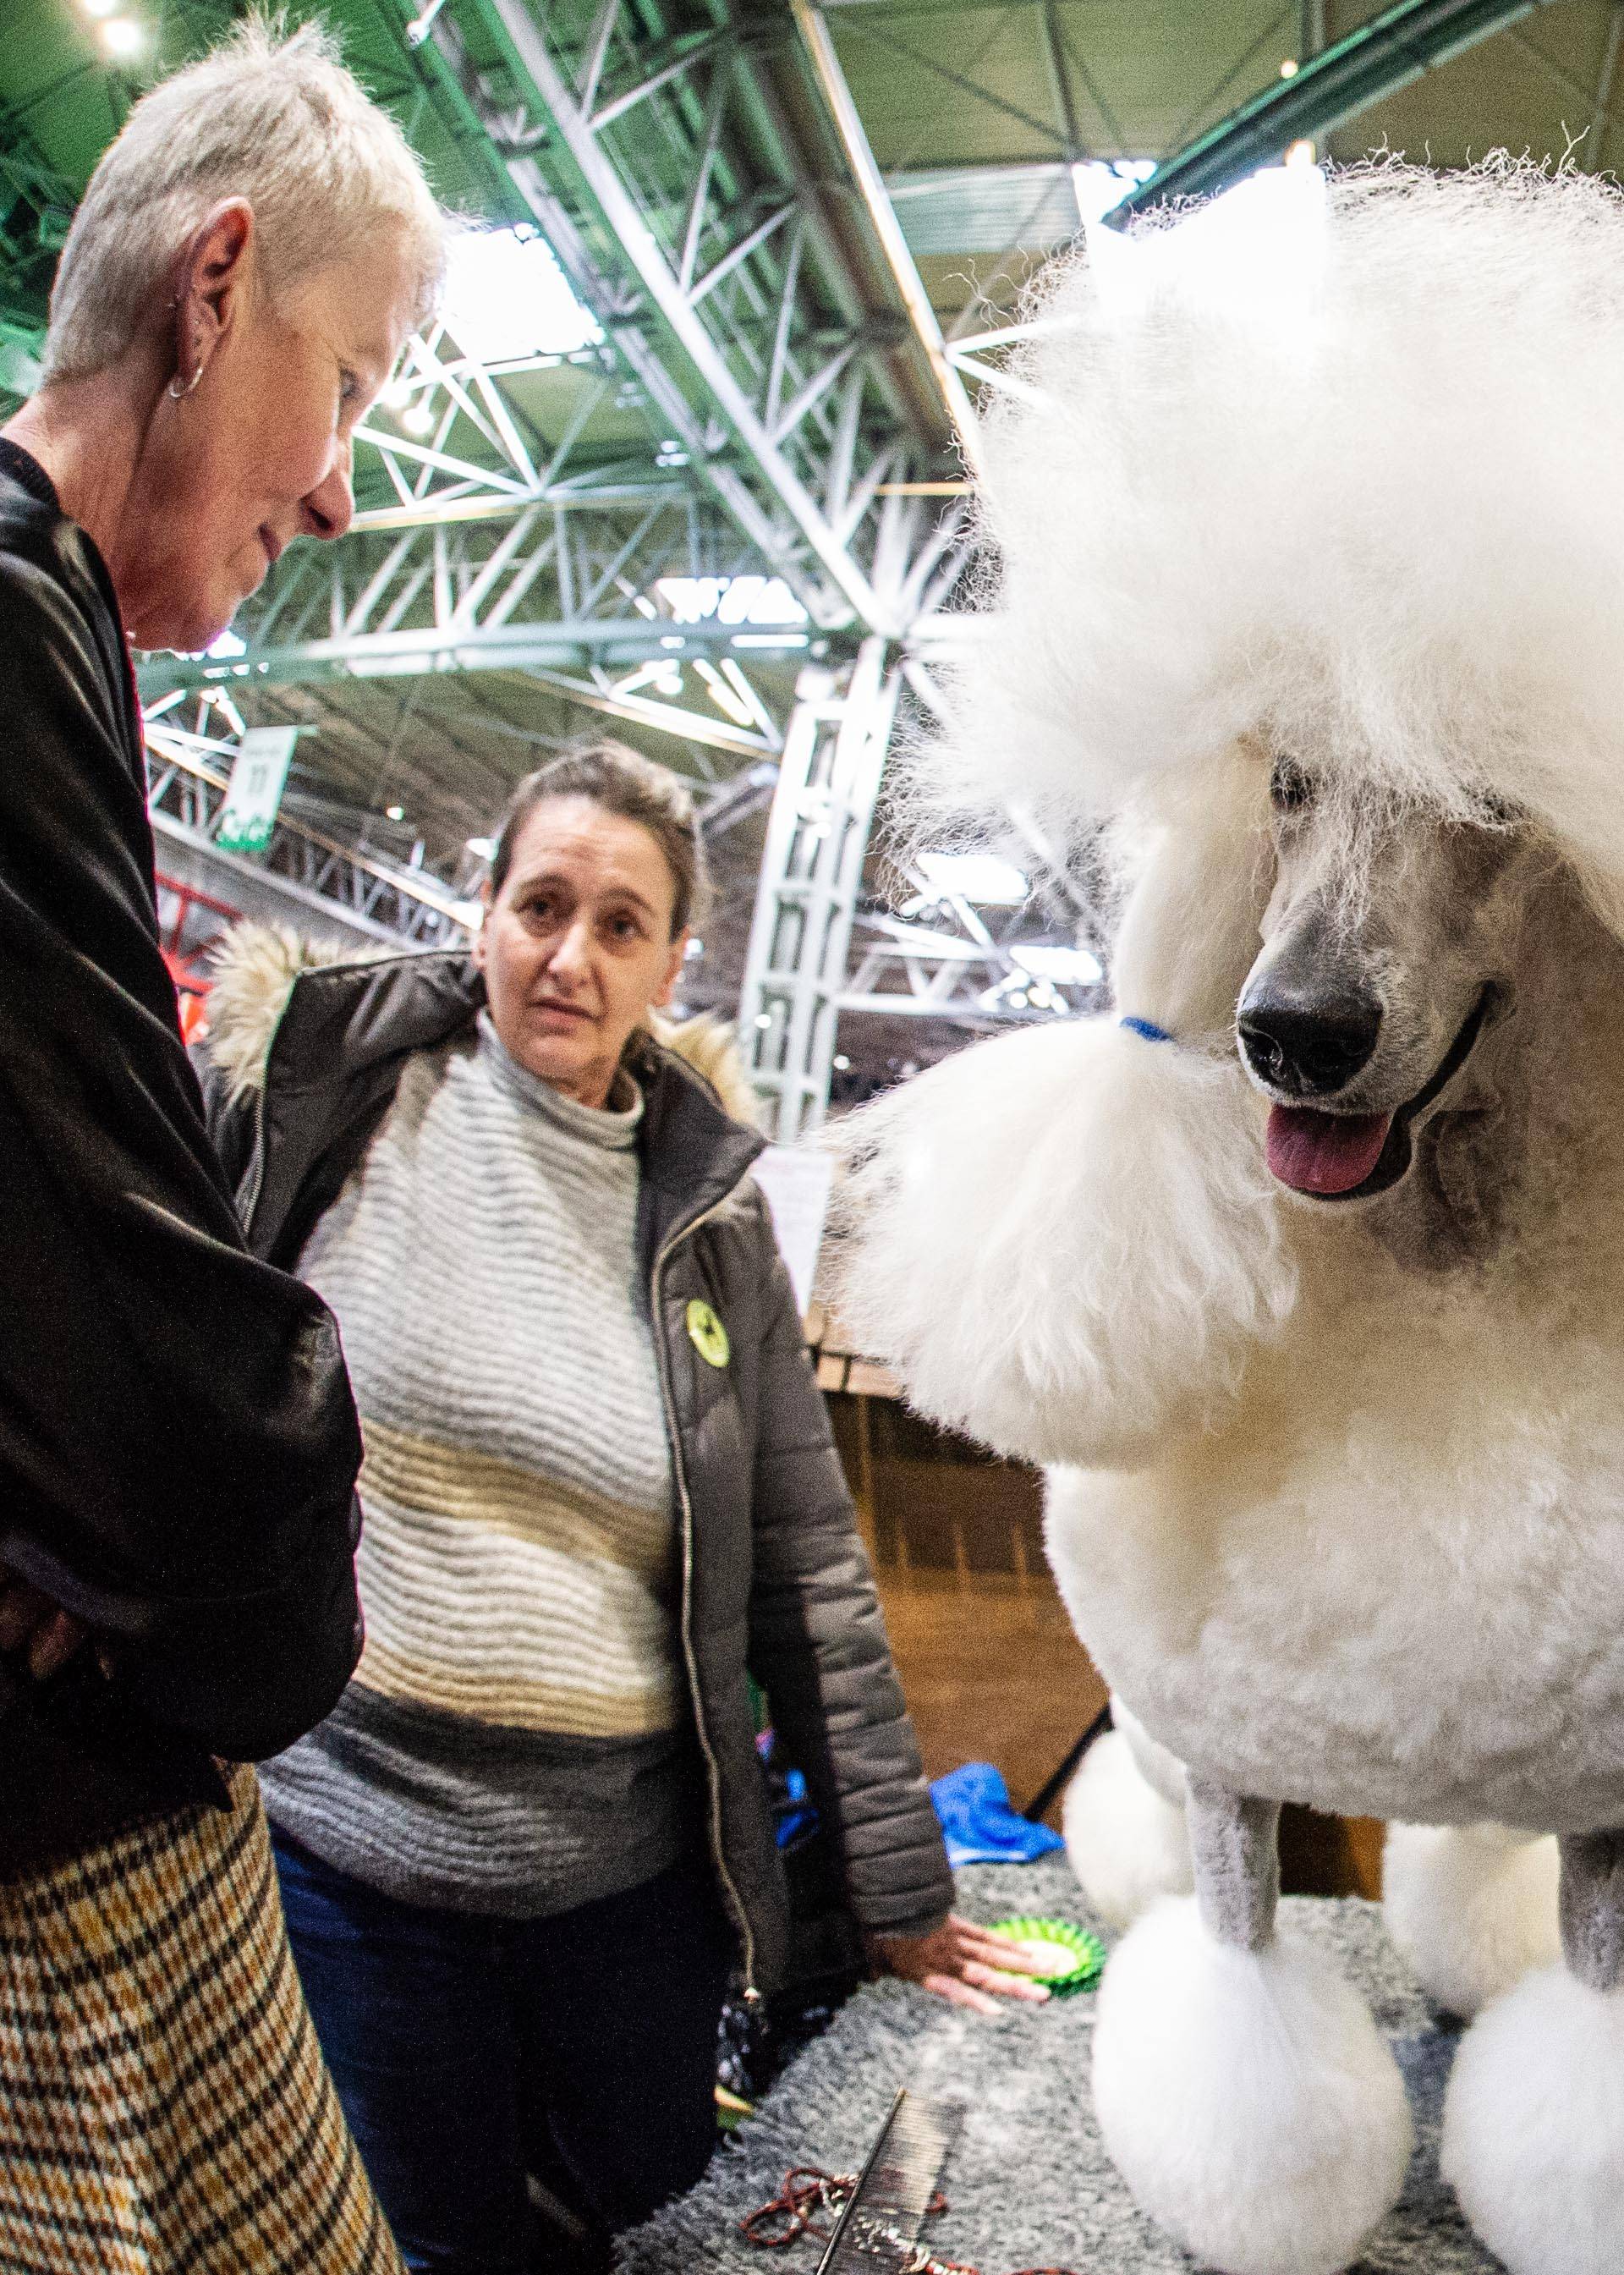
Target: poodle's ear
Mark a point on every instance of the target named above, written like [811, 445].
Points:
[1067, 1242]
[1189, 927]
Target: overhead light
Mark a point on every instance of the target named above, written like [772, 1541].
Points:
[842, 1062]
[420, 420]
[506, 297]
[1289, 68]
[398, 394]
[1072, 967]
[694, 950]
[764, 1018]
[420, 27]
[482, 848]
[121, 37]
[1099, 188]
[752, 600]
[223, 704]
[725, 698]
[983, 878]
[395, 812]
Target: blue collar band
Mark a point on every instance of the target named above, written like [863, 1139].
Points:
[1148, 1028]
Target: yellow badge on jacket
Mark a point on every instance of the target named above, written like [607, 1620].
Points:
[707, 1334]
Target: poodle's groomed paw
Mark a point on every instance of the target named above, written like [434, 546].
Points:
[1534, 2127]
[1472, 1907]
[1246, 2098]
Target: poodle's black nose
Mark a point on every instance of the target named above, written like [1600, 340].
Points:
[1310, 1049]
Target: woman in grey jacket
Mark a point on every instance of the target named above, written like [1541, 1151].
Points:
[523, 1855]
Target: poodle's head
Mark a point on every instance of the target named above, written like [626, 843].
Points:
[1390, 946]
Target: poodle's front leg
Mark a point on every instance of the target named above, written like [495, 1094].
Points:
[1591, 1907]
[1533, 2119]
[1235, 1846]
[1241, 2085]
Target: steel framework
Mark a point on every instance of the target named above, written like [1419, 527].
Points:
[679, 182]
[186, 791]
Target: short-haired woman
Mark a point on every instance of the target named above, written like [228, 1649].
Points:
[177, 1443]
[523, 1855]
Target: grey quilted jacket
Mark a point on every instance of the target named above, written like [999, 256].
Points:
[775, 1579]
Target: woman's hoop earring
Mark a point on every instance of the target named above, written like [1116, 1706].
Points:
[179, 387]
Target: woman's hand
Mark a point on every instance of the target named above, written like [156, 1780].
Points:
[961, 1962]
[42, 1630]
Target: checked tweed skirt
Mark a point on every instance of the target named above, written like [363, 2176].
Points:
[164, 2109]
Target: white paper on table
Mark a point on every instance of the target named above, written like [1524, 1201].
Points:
[796, 1182]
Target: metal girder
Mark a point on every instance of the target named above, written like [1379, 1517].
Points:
[186, 797]
[675, 308]
[887, 229]
[514, 137]
[1400, 45]
[811, 872]
[718, 287]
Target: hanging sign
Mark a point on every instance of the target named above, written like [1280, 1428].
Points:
[258, 779]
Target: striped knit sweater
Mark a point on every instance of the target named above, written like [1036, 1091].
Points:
[515, 1740]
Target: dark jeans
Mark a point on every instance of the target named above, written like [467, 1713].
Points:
[470, 2051]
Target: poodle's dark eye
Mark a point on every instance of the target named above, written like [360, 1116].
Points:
[1289, 787]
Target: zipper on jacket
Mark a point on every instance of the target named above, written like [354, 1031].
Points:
[257, 1164]
[752, 1996]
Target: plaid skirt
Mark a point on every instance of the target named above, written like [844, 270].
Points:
[164, 2108]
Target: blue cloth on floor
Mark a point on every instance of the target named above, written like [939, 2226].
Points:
[980, 1827]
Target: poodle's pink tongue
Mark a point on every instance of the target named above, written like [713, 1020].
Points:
[1315, 1153]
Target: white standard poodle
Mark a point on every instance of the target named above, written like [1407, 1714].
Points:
[1303, 1272]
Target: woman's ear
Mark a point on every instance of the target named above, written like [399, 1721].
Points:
[211, 280]
[679, 956]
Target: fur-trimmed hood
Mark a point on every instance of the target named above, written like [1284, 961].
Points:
[256, 967]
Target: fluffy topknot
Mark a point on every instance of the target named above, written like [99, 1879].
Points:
[1351, 485]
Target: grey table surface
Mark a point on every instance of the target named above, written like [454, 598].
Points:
[1028, 2183]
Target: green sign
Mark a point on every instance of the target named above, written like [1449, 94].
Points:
[258, 779]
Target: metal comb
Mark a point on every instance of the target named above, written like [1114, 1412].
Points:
[878, 2231]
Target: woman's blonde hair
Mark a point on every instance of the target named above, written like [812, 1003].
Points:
[273, 118]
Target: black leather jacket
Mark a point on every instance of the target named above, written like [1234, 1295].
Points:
[775, 1578]
[177, 1443]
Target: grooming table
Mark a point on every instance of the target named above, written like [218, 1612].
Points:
[1030, 2183]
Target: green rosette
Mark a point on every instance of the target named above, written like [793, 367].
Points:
[1078, 1958]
